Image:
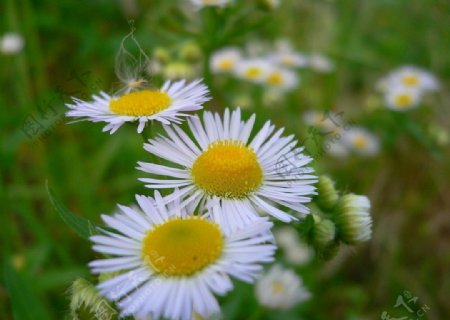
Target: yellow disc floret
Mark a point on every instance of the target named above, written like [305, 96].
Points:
[360, 142]
[140, 103]
[253, 73]
[410, 80]
[182, 247]
[227, 169]
[226, 64]
[275, 79]
[403, 100]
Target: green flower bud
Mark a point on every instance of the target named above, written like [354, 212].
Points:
[161, 55]
[323, 232]
[327, 196]
[190, 52]
[87, 303]
[353, 219]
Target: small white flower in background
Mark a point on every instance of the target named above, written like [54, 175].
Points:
[322, 121]
[11, 43]
[295, 250]
[210, 3]
[413, 78]
[287, 57]
[280, 289]
[175, 260]
[320, 63]
[253, 70]
[281, 79]
[225, 60]
[166, 105]
[353, 219]
[401, 98]
[336, 148]
[272, 4]
[361, 141]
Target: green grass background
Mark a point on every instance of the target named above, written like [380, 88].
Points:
[408, 182]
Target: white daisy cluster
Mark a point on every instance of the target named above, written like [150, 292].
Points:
[404, 87]
[275, 69]
[341, 139]
[170, 256]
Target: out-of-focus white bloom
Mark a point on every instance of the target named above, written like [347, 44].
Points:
[320, 63]
[337, 148]
[413, 78]
[280, 289]
[272, 4]
[11, 43]
[254, 70]
[225, 60]
[298, 255]
[281, 79]
[401, 98]
[295, 250]
[323, 120]
[243, 101]
[361, 141]
[287, 57]
[209, 3]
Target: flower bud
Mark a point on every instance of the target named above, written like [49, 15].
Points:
[353, 219]
[327, 194]
[87, 303]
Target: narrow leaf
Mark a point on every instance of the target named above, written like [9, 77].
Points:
[25, 304]
[82, 226]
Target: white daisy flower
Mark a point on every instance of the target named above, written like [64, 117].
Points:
[166, 105]
[337, 148]
[225, 60]
[320, 63]
[401, 98]
[209, 3]
[11, 43]
[280, 289]
[222, 164]
[295, 250]
[281, 79]
[253, 70]
[361, 141]
[413, 78]
[172, 264]
[289, 58]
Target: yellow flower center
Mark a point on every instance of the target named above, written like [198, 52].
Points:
[275, 79]
[410, 80]
[360, 143]
[226, 64]
[227, 169]
[253, 72]
[277, 287]
[403, 100]
[140, 103]
[288, 61]
[182, 247]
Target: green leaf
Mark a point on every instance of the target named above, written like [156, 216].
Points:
[25, 304]
[83, 227]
